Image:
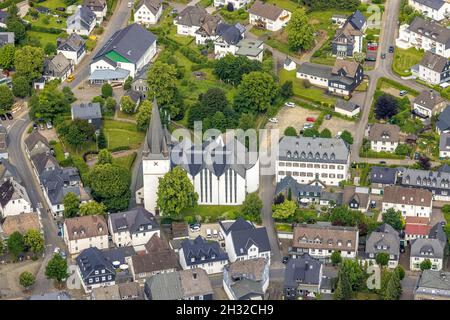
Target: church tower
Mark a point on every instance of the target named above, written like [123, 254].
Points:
[155, 160]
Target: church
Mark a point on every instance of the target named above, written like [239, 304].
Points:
[220, 169]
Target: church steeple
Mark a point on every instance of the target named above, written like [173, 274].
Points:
[156, 137]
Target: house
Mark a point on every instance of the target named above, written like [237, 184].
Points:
[39, 84]
[6, 38]
[94, 270]
[357, 198]
[235, 4]
[341, 79]
[42, 162]
[73, 48]
[123, 55]
[98, 7]
[14, 199]
[192, 284]
[199, 253]
[320, 240]
[310, 159]
[432, 248]
[58, 68]
[148, 12]
[131, 291]
[3, 143]
[21, 223]
[443, 121]
[435, 181]
[217, 182]
[331, 199]
[3, 18]
[106, 293]
[302, 277]
[268, 16]
[416, 228]
[434, 69]
[82, 22]
[90, 111]
[428, 103]
[8, 172]
[444, 145]
[347, 108]
[228, 37]
[384, 137]
[190, 19]
[347, 41]
[243, 241]
[411, 202]
[381, 177]
[303, 194]
[84, 232]
[139, 83]
[159, 258]
[289, 64]
[434, 9]
[358, 21]
[383, 239]
[425, 34]
[433, 285]
[208, 29]
[246, 279]
[252, 49]
[134, 227]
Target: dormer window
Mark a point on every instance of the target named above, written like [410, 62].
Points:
[192, 259]
[288, 154]
[339, 243]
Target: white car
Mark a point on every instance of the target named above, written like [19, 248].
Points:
[273, 120]
[57, 250]
[289, 104]
[307, 126]
[130, 4]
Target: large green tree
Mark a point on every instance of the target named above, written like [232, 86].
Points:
[231, 68]
[143, 115]
[34, 240]
[344, 289]
[127, 104]
[393, 218]
[104, 157]
[29, 62]
[15, 244]
[77, 132]
[56, 268]
[300, 32]
[91, 208]
[107, 90]
[7, 56]
[284, 210]
[26, 279]
[16, 26]
[6, 98]
[336, 258]
[21, 87]
[251, 207]
[175, 193]
[161, 80]
[425, 265]
[71, 204]
[393, 288]
[49, 103]
[382, 259]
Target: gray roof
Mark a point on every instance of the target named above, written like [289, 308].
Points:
[34, 138]
[6, 38]
[434, 4]
[303, 270]
[434, 62]
[3, 16]
[192, 16]
[152, 5]
[357, 19]
[384, 132]
[426, 179]
[119, 254]
[314, 69]
[434, 283]
[92, 259]
[337, 197]
[239, 224]
[90, 110]
[57, 66]
[229, 33]
[268, 11]
[438, 232]
[383, 175]
[329, 150]
[431, 29]
[298, 189]
[444, 142]
[429, 99]
[165, 286]
[8, 171]
[346, 105]
[244, 235]
[12, 190]
[199, 248]
[61, 181]
[83, 18]
[427, 248]
[250, 47]
[156, 147]
[41, 161]
[107, 74]
[443, 122]
[245, 289]
[387, 236]
[73, 43]
[133, 221]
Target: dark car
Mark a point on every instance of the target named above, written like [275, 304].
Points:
[383, 56]
[61, 9]
[3, 117]
[9, 115]
[285, 259]
[391, 49]
[402, 248]
[382, 162]
[35, 126]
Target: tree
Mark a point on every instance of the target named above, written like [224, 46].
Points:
[15, 244]
[49, 103]
[92, 208]
[110, 185]
[77, 132]
[355, 273]
[382, 259]
[127, 104]
[100, 100]
[71, 204]
[343, 216]
[16, 26]
[284, 211]
[7, 56]
[104, 156]
[29, 62]
[326, 133]
[127, 83]
[393, 288]
[101, 140]
[393, 218]
[6, 98]
[110, 106]
[359, 57]
[290, 132]
[300, 32]
[107, 90]
[424, 163]
[255, 92]
[251, 207]
[343, 290]
[246, 121]
[161, 80]
[50, 49]
[347, 137]
[400, 271]
[70, 97]
[311, 133]
[34, 240]
[21, 87]
[175, 193]
[286, 89]
[143, 115]
[56, 268]
[336, 258]
[425, 265]
[402, 150]
[230, 69]
[26, 279]
[385, 107]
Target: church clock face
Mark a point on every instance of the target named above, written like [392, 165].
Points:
[155, 164]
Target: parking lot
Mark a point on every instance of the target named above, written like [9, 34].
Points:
[292, 117]
[336, 125]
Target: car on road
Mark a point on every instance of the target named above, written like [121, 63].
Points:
[382, 162]
[285, 259]
[289, 104]
[273, 120]
[63, 255]
[57, 250]
[327, 116]
[402, 93]
[308, 126]
[3, 117]
[70, 78]
[416, 156]
[391, 49]
[311, 119]
[383, 56]
[49, 125]
[9, 115]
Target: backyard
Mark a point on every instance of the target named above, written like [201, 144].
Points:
[122, 135]
[44, 37]
[405, 59]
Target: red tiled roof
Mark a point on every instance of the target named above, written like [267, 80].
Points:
[417, 229]
[417, 220]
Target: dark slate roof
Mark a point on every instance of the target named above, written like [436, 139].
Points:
[444, 142]
[438, 232]
[192, 16]
[34, 138]
[302, 270]
[156, 147]
[119, 254]
[434, 4]
[444, 168]
[92, 259]
[434, 62]
[199, 248]
[337, 197]
[387, 236]
[58, 182]
[3, 16]
[383, 175]
[434, 30]
[229, 33]
[346, 105]
[244, 239]
[357, 19]
[443, 122]
[90, 110]
[41, 160]
[7, 171]
[289, 182]
[238, 225]
[6, 192]
[132, 220]
[130, 42]
[314, 69]
[73, 43]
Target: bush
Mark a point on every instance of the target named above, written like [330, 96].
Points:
[107, 90]
[192, 55]
[290, 132]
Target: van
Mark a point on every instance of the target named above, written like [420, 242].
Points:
[208, 233]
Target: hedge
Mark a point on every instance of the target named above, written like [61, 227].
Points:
[193, 55]
[120, 148]
[45, 29]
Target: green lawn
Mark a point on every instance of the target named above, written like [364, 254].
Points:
[327, 60]
[367, 296]
[405, 59]
[43, 37]
[59, 151]
[211, 213]
[126, 161]
[53, 4]
[285, 4]
[120, 134]
[322, 19]
[236, 16]
[52, 21]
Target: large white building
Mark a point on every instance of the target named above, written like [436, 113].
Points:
[85, 232]
[148, 12]
[313, 159]
[268, 16]
[411, 202]
[434, 9]
[82, 22]
[219, 170]
[434, 69]
[384, 137]
[13, 199]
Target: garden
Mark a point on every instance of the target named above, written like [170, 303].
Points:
[405, 59]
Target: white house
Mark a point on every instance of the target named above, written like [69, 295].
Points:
[148, 12]
[237, 4]
[190, 19]
[384, 137]
[289, 64]
[427, 249]
[94, 269]
[85, 232]
[14, 199]
[133, 228]
[73, 48]
[268, 16]
[428, 103]
[434, 9]
[243, 241]
[434, 69]
[82, 22]
[98, 7]
[411, 202]
[384, 239]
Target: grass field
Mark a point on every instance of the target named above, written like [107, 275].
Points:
[120, 134]
[127, 161]
[59, 152]
[53, 4]
[52, 21]
[43, 37]
[285, 4]
[211, 212]
[405, 59]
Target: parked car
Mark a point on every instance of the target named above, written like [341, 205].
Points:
[49, 125]
[3, 117]
[391, 49]
[57, 250]
[9, 115]
[310, 119]
[130, 4]
[327, 116]
[215, 234]
[285, 259]
[416, 156]
[61, 9]
[273, 120]
[41, 126]
[382, 162]
[403, 93]
[289, 104]
[373, 204]
[307, 125]
[194, 227]
[70, 78]
[63, 255]
[35, 126]
[208, 233]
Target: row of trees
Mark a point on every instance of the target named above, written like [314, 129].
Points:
[17, 243]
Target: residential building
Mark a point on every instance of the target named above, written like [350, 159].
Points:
[347, 108]
[94, 270]
[148, 12]
[14, 199]
[426, 35]
[434, 9]
[243, 241]
[443, 121]
[22, 223]
[438, 182]
[236, 4]
[427, 249]
[246, 279]
[434, 69]
[356, 198]
[347, 41]
[131, 291]
[192, 284]
[199, 253]
[6, 38]
[208, 29]
[313, 159]
[302, 277]
[289, 64]
[331, 199]
[3, 18]
[411, 202]
[58, 68]
[444, 145]
[140, 82]
[384, 137]
[381, 177]
[416, 228]
[226, 42]
[82, 22]
[250, 48]
[42, 162]
[73, 48]
[98, 7]
[190, 19]
[321, 239]
[106, 293]
[90, 111]
[134, 227]
[428, 103]
[268, 16]
[433, 285]
[384, 239]
[303, 194]
[123, 55]
[85, 232]
[8, 172]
